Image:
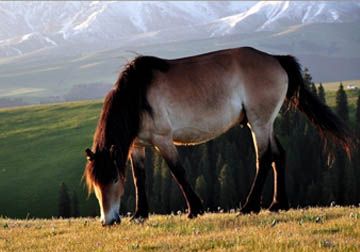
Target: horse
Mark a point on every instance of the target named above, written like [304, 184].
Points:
[187, 101]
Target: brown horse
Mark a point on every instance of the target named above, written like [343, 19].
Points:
[164, 103]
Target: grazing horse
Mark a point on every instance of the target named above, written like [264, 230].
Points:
[187, 101]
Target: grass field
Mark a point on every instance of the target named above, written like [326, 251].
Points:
[315, 229]
[42, 146]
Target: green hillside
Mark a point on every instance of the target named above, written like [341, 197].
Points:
[42, 146]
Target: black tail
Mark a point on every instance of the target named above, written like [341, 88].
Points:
[326, 121]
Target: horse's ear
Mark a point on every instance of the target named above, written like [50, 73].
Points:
[89, 154]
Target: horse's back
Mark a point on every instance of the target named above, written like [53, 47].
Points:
[200, 97]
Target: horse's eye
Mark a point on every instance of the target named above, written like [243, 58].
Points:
[115, 180]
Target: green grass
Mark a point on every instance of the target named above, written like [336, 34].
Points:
[42, 146]
[315, 229]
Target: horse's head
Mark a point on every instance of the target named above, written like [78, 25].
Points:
[105, 176]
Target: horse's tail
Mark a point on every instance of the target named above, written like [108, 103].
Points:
[326, 121]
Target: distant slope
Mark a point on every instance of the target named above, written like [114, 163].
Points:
[42, 146]
[50, 74]
[46, 49]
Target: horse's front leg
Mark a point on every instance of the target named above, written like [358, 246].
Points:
[170, 154]
[138, 170]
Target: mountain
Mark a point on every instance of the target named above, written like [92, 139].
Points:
[280, 15]
[29, 26]
[58, 23]
[48, 49]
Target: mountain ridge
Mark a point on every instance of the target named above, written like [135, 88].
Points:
[60, 23]
[47, 49]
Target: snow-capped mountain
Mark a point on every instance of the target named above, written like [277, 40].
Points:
[50, 51]
[50, 24]
[276, 15]
[29, 26]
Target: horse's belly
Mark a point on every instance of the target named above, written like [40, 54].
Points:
[192, 136]
[200, 130]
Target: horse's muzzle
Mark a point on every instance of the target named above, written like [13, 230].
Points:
[114, 221]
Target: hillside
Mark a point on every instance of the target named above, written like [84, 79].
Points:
[314, 229]
[42, 146]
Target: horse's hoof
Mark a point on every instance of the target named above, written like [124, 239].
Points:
[195, 213]
[139, 218]
[276, 207]
[249, 209]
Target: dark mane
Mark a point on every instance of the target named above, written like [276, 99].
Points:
[121, 114]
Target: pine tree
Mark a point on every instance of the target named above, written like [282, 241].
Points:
[357, 117]
[341, 164]
[321, 93]
[201, 189]
[307, 78]
[155, 204]
[149, 171]
[313, 88]
[328, 190]
[356, 156]
[342, 104]
[191, 171]
[75, 205]
[177, 201]
[165, 187]
[227, 188]
[64, 205]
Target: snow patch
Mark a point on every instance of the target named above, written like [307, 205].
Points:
[274, 14]
[94, 3]
[19, 52]
[90, 19]
[47, 39]
[334, 15]
[26, 37]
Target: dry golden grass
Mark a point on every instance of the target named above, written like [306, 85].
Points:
[315, 229]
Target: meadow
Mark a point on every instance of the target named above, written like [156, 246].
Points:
[41, 147]
[313, 229]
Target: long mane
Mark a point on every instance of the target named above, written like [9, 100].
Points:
[121, 115]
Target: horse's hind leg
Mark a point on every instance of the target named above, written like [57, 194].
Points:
[138, 170]
[261, 137]
[170, 154]
[280, 201]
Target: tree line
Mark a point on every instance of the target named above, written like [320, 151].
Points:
[221, 171]
[68, 206]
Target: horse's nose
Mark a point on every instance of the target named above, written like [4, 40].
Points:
[117, 220]
[113, 221]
